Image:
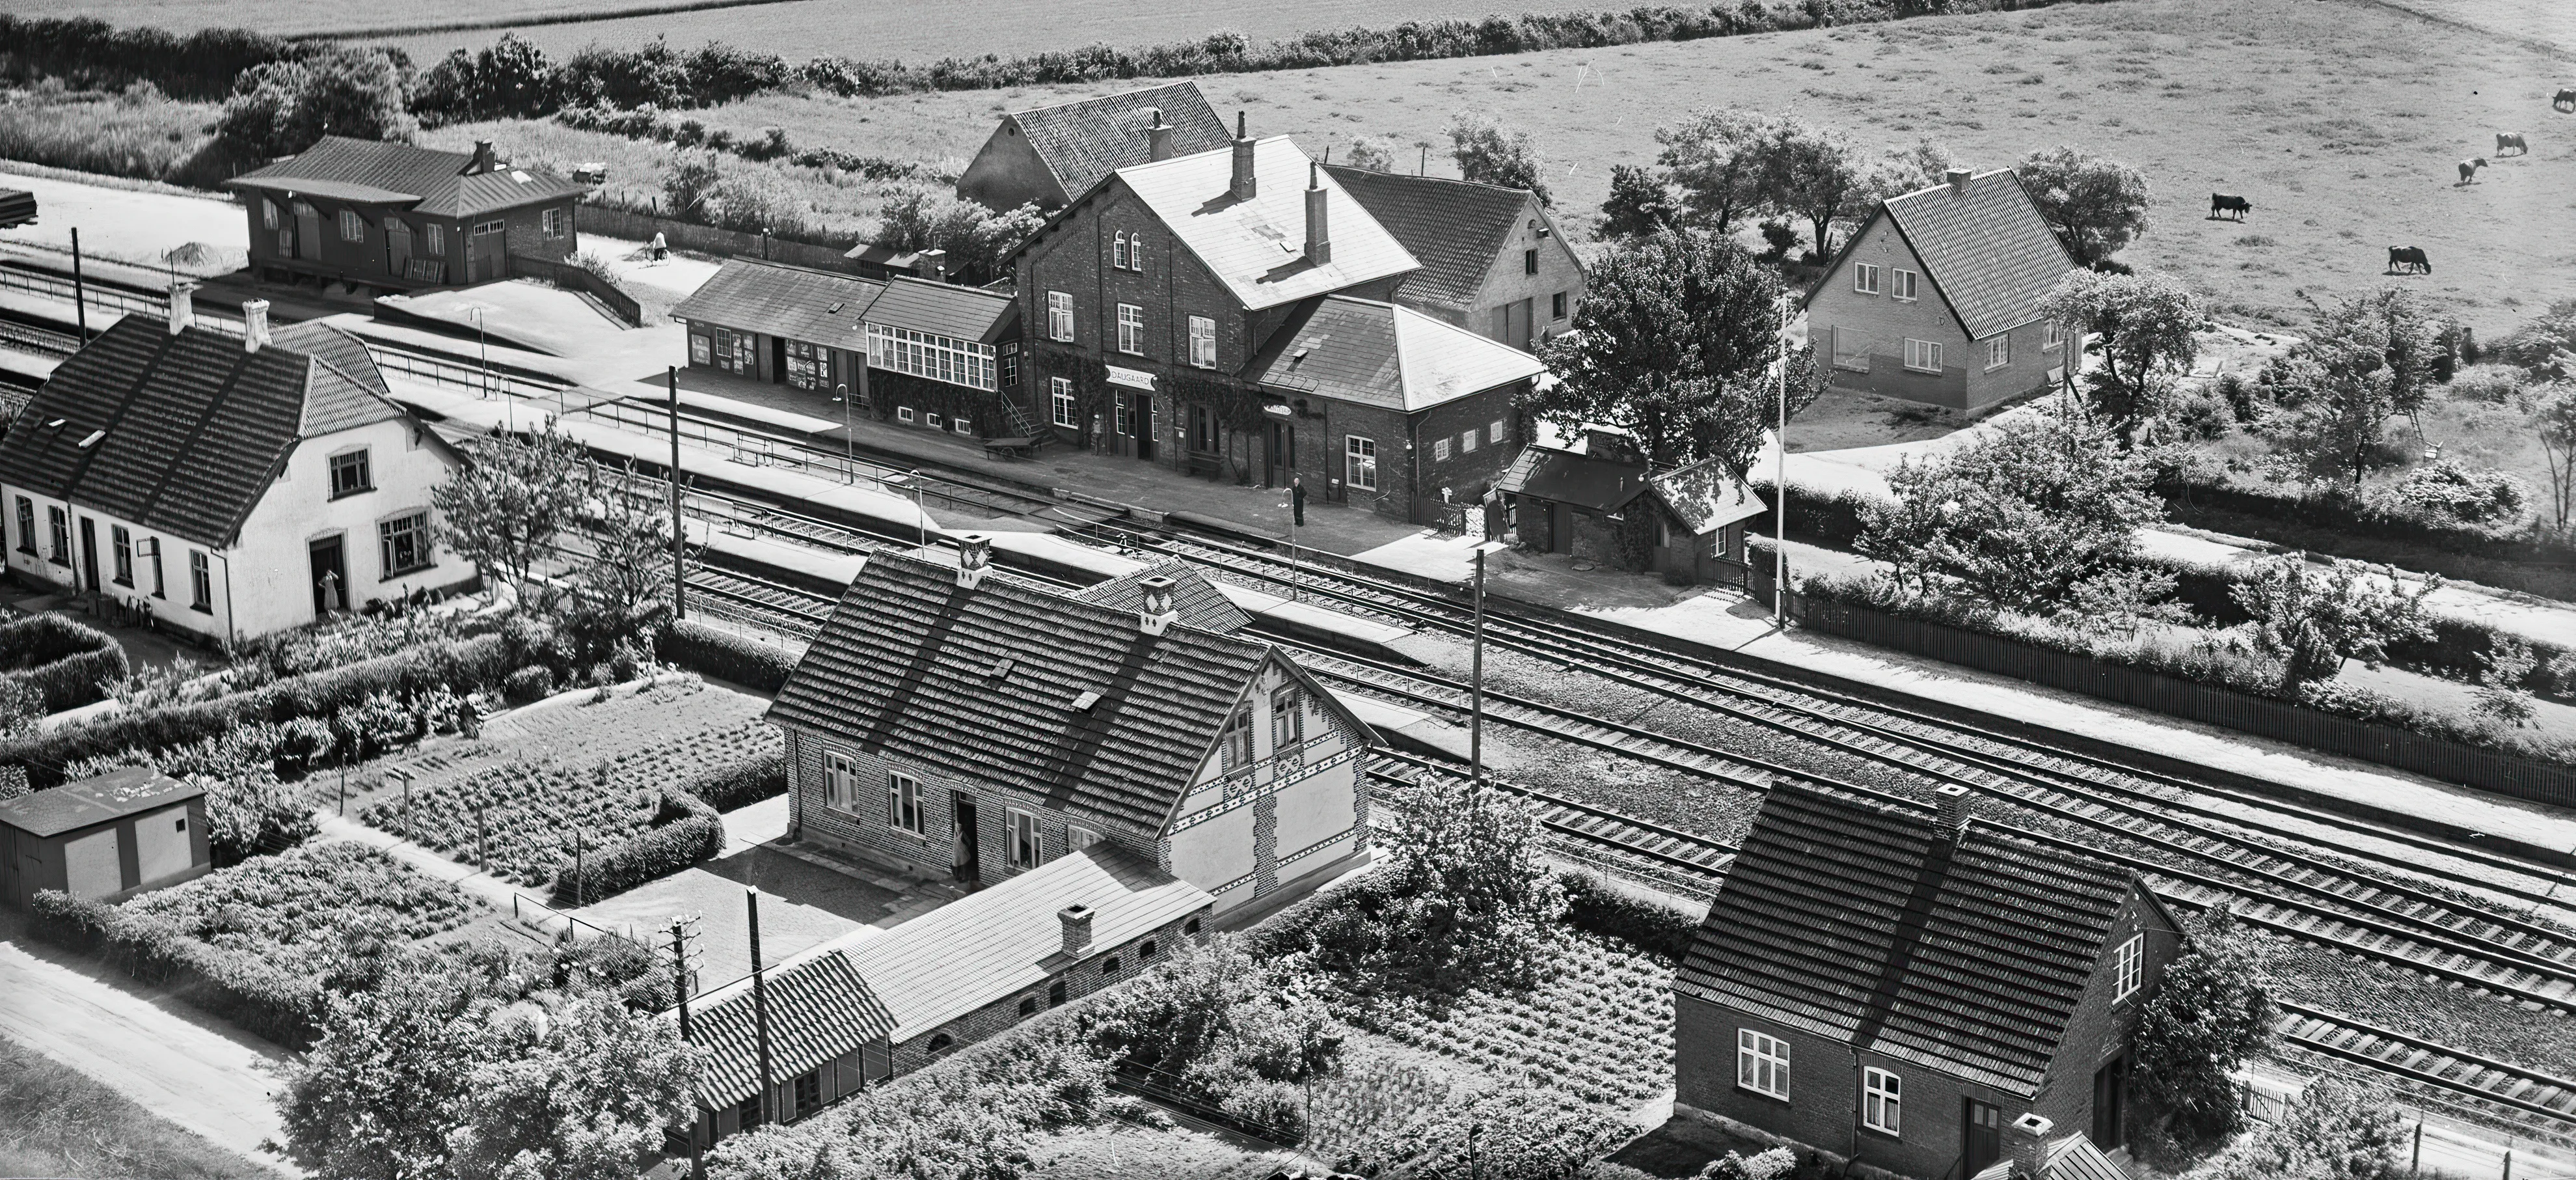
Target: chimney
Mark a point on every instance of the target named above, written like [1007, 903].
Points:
[1319, 233]
[254, 324]
[974, 556]
[1077, 929]
[1950, 806]
[1243, 188]
[183, 306]
[1957, 179]
[1158, 137]
[1158, 611]
[934, 265]
[2026, 1144]
[482, 161]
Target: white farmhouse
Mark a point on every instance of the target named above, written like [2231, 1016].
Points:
[232, 485]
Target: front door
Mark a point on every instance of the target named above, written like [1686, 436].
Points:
[1982, 1143]
[397, 247]
[330, 578]
[308, 231]
[1142, 416]
[89, 553]
[2111, 1104]
[484, 260]
[1274, 455]
[968, 861]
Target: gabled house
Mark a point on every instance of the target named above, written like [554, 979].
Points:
[1049, 155]
[1901, 983]
[1199, 603]
[1599, 500]
[973, 726]
[1493, 261]
[1936, 298]
[103, 839]
[395, 217]
[231, 485]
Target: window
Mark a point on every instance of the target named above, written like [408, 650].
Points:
[939, 358]
[1494, 433]
[1060, 399]
[1761, 1063]
[1556, 306]
[552, 222]
[1028, 1005]
[1059, 316]
[1010, 365]
[747, 1114]
[964, 426]
[934, 421]
[2132, 973]
[1865, 278]
[26, 525]
[1077, 839]
[1467, 442]
[1529, 262]
[1902, 284]
[1109, 969]
[2050, 337]
[435, 237]
[905, 415]
[1024, 840]
[158, 589]
[736, 353]
[353, 228]
[1998, 352]
[840, 782]
[1359, 458]
[201, 581]
[488, 227]
[1124, 417]
[808, 366]
[903, 802]
[1882, 1102]
[1118, 251]
[404, 541]
[267, 213]
[939, 1042]
[1136, 253]
[1131, 329]
[1145, 952]
[1440, 450]
[1055, 993]
[1287, 718]
[809, 1088]
[61, 527]
[1923, 356]
[123, 542]
[1190, 927]
[1237, 739]
[349, 474]
[1202, 342]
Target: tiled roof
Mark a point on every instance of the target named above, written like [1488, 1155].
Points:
[1200, 603]
[905, 668]
[2073, 1157]
[1379, 354]
[1085, 140]
[941, 309]
[335, 348]
[1865, 922]
[1454, 228]
[819, 1009]
[191, 427]
[1985, 248]
[425, 179]
[90, 802]
[1573, 477]
[1255, 247]
[1704, 498]
[348, 391]
[791, 301]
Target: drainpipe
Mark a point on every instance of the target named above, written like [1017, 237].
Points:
[230, 638]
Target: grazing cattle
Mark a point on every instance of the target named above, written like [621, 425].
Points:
[2566, 100]
[2229, 203]
[2511, 139]
[2469, 169]
[2411, 257]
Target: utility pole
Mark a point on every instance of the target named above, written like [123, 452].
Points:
[577, 888]
[680, 1000]
[679, 530]
[759, 1000]
[1780, 487]
[1476, 683]
[80, 288]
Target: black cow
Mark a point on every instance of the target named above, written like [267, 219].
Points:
[2409, 256]
[2229, 203]
[2566, 100]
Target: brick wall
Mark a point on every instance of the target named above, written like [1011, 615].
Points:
[1080, 979]
[2101, 1026]
[524, 233]
[1819, 1109]
[866, 828]
[1409, 482]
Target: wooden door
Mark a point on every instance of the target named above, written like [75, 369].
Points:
[330, 577]
[484, 256]
[89, 554]
[968, 852]
[1981, 1142]
[2111, 1104]
[397, 247]
[308, 230]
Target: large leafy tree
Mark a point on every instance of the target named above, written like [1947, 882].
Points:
[2211, 1013]
[2368, 359]
[2097, 205]
[1814, 174]
[504, 508]
[1716, 159]
[2142, 329]
[283, 107]
[1489, 153]
[1638, 205]
[2313, 620]
[2553, 420]
[574, 1088]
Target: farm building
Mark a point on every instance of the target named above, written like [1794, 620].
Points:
[103, 839]
[911, 351]
[1493, 261]
[1048, 155]
[1901, 984]
[1936, 298]
[876, 1004]
[229, 485]
[1599, 500]
[968, 725]
[393, 217]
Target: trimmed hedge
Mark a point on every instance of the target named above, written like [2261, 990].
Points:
[687, 831]
[1600, 909]
[239, 987]
[740, 784]
[725, 655]
[67, 662]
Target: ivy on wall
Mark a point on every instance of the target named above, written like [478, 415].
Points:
[888, 389]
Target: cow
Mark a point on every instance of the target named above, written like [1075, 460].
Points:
[2469, 169]
[2229, 203]
[2409, 256]
[2565, 103]
[2511, 139]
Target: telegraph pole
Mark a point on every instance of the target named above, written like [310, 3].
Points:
[1780, 487]
[679, 530]
[680, 1000]
[80, 288]
[1476, 683]
[759, 1000]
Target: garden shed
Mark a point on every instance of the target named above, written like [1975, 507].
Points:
[1600, 500]
[103, 839]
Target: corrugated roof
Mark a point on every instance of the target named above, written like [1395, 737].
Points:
[425, 179]
[90, 802]
[791, 301]
[1087, 139]
[1255, 247]
[1864, 921]
[1200, 603]
[819, 1009]
[1985, 249]
[1379, 354]
[1454, 228]
[941, 309]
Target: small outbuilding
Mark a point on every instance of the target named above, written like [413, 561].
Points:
[103, 839]
[1600, 500]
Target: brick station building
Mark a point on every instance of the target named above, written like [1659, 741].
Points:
[395, 217]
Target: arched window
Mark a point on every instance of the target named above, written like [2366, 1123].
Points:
[1190, 927]
[1146, 951]
[940, 1041]
[1109, 968]
[1055, 993]
[1118, 251]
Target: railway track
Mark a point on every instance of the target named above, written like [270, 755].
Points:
[2465, 1082]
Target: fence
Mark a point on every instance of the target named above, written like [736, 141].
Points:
[2434, 1150]
[570, 276]
[707, 239]
[2489, 770]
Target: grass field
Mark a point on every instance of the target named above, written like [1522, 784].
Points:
[56, 1121]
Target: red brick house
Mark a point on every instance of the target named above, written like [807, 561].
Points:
[1599, 500]
[1936, 298]
[1493, 261]
[393, 217]
[1896, 984]
[103, 839]
[1049, 155]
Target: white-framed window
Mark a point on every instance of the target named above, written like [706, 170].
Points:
[944, 359]
[201, 581]
[404, 543]
[1287, 718]
[840, 782]
[1118, 251]
[1901, 284]
[1494, 433]
[1440, 450]
[961, 426]
[123, 540]
[353, 228]
[1024, 839]
[26, 526]
[2131, 973]
[2051, 337]
[1761, 1063]
[267, 213]
[1059, 315]
[1882, 1101]
[1061, 404]
[903, 802]
[434, 237]
[1467, 442]
[349, 475]
[1359, 458]
[905, 415]
[1202, 342]
[1923, 356]
[159, 588]
[1998, 352]
[553, 222]
[61, 527]
[1865, 278]
[1010, 364]
[1131, 329]
[1076, 839]
[1136, 252]
[934, 421]
[1236, 741]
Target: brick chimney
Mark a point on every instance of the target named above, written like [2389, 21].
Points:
[1077, 929]
[1158, 137]
[1319, 233]
[934, 265]
[1243, 187]
[1158, 611]
[482, 161]
[974, 557]
[183, 306]
[1957, 179]
[1950, 806]
[254, 324]
[2026, 1145]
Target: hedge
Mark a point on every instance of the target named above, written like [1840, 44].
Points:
[201, 65]
[67, 662]
[739, 784]
[241, 988]
[687, 831]
[1657, 929]
[725, 655]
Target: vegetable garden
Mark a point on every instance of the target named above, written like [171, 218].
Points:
[297, 911]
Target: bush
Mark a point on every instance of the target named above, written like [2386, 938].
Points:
[2447, 490]
[241, 987]
[200, 65]
[2496, 385]
[65, 662]
[1656, 929]
[725, 655]
[741, 784]
[685, 832]
[529, 685]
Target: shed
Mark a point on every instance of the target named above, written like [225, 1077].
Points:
[1581, 500]
[103, 839]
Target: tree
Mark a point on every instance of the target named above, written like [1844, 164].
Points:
[1638, 205]
[2553, 420]
[1814, 174]
[2314, 621]
[1372, 153]
[2368, 359]
[1717, 159]
[1472, 903]
[2097, 205]
[1675, 343]
[621, 592]
[504, 507]
[373, 1098]
[283, 107]
[692, 179]
[574, 1088]
[979, 241]
[2142, 328]
[1489, 154]
[2501, 697]
[2210, 1013]
[2336, 1128]
[1903, 170]
[509, 79]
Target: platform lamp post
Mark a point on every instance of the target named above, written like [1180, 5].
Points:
[1780, 486]
[849, 441]
[1476, 675]
[764, 243]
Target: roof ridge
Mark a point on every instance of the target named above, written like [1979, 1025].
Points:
[1192, 83]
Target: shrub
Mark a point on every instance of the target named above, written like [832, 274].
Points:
[243, 988]
[200, 65]
[740, 784]
[2448, 490]
[2335, 1129]
[66, 663]
[250, 811]
[1591, 904]
[725, 655]
[528, 685]
[685, 832]
[2495, 385]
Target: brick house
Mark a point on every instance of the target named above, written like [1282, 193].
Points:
[964, 724]
[1936, 298]
[103, 839]
[1599, 500]
[873, 1004]
[1493, 261]
[1229, 314]
[230, 485]
[395, 217]
[1049, 155]
[1896, 983]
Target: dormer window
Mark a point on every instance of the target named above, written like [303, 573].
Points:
[1237, 740]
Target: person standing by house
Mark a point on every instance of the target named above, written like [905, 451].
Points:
[1297, 498]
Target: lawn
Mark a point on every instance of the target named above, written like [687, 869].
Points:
[294, 911]
[59, 1122]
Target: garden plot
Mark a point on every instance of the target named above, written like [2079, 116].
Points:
[298, 911]
[1600, 1027]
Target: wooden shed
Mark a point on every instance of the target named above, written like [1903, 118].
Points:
[103, 839]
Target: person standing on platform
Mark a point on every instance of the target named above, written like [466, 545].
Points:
[1297, 498]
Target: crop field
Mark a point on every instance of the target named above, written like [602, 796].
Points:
[294, 910]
